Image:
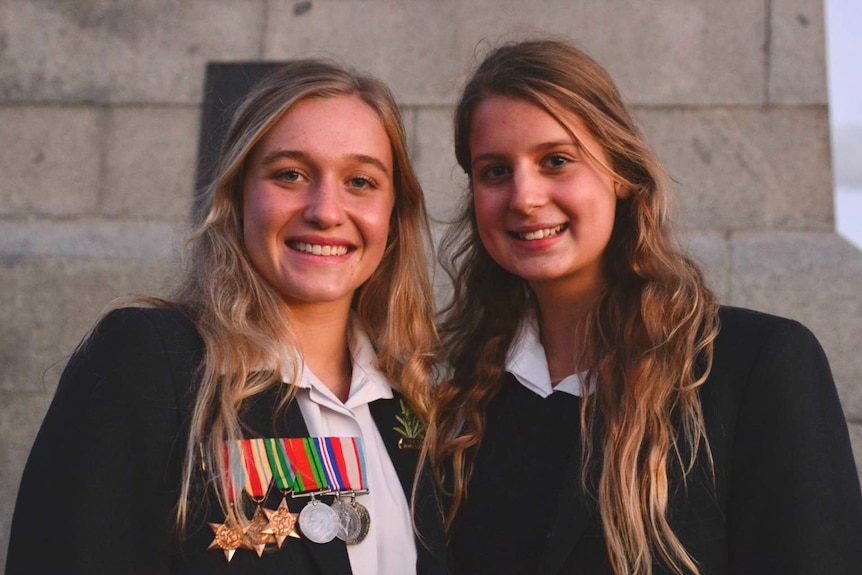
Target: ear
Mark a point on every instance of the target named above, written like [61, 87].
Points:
[621, 190]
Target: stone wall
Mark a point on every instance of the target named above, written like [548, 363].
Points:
[99, 120]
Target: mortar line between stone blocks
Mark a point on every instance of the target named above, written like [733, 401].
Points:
[37, 218]
[767, 51]
[724, 107]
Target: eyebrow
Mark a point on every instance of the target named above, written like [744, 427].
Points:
[302, 156]
[536, 148]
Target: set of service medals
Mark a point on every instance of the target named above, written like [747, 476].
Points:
[298, 467]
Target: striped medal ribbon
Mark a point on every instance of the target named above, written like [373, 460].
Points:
[257, 475]
[282, 523]
[300, 466]
[343, 464]
[312, 466]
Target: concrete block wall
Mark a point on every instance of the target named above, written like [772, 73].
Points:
[99, 114]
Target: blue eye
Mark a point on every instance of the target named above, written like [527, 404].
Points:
[557, 161]
[360, 182]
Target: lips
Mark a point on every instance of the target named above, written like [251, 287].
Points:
[325, 250]
[539, 234]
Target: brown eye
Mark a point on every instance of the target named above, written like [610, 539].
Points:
[288, 175]
[496, 172]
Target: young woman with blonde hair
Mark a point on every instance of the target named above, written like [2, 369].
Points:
[306, 314]
[604, 415]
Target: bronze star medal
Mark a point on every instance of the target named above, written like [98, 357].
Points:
[228, 538]
[282, 523]
[255, 536]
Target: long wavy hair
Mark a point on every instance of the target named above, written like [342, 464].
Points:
[241, 318]
[647, 339]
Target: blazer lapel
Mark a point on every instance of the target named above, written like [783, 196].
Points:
[575, 511]
[404, 460]
[427, 517]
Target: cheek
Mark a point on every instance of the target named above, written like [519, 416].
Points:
[487, 212]
[252, 222]
[489, 224]
[377, 222]
[260, 225]
[599, 205]
[268, 208]
[609, 209]
[254, 241]
[249, 218]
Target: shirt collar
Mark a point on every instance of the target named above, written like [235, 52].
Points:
[526, 360]
[367, 383]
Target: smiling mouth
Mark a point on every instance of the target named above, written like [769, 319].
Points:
[319, 249]
[540, 234]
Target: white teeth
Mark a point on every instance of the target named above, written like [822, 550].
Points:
[320, 250]
[539, 234]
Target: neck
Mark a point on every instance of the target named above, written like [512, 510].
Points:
[561, 316]
[321, 332]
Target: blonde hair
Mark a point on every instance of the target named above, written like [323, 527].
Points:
[241, 318]
[648, 339]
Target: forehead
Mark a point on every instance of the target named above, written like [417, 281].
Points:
[500, 121]
[329, 128]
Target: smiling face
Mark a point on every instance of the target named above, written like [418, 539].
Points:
[544, 208]
[317, 199]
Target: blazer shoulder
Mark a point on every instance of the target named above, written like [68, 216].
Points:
[737, 318]
[782, 442]
[113, 439]
[756, 354]
[748, 333]
[133, 353]
[169, 323]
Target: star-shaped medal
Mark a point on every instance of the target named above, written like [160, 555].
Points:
[282, 523]
[255, 536]
[228, 538]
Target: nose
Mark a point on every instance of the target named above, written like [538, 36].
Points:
[325, 205]
[527, 192]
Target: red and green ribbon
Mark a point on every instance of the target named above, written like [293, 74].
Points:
[297, 464]
[282, 471]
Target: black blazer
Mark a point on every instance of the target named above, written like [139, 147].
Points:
[786, 498]
[100, 487]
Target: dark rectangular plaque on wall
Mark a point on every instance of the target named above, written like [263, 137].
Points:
[225, 85]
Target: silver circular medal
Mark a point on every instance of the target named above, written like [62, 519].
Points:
[364, 523]
[318, 522]
[350, 522]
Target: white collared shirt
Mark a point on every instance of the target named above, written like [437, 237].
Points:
[527, 361]
[389, 548]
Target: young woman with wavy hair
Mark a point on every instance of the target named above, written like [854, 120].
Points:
[603, 414]
[306, 312]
